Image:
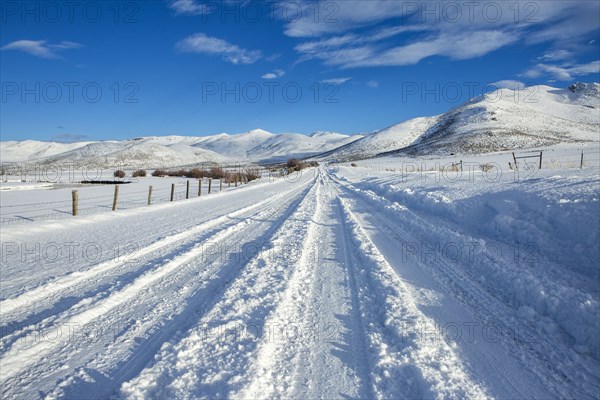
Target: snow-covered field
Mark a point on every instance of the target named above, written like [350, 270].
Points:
[29, 199]
[390, 279]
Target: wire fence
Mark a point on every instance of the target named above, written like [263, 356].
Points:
[12, 214]
[551, 159]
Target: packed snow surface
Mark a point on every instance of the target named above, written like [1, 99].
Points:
[339, 282]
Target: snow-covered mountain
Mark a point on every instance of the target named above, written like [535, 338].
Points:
[164, 151]
[515, 119]
[394, 137]
[12, 151]
[502, 120]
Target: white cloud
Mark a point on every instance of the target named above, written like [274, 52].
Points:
[41, 48]
[564, 72]
[190, 7]
[557, 55]
[373, 84]
[278, 73]
[273, 57]
[458, 46]
[203, 44]
[312, 19]
[509, 84]
[335, 81]
[553, 19]
[457, 30]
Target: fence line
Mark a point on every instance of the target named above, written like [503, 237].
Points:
[77, 206]
[548, 158]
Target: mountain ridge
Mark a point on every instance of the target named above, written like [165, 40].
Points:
[504, 119]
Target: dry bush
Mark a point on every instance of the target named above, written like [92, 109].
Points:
[233, 177]
[217, 173]
[119, 174]
[486, 167]
[353, 165]
[139, 173]
[177, 173]
[159, 172]
[252, 174]
[295, 164]
[196, 173]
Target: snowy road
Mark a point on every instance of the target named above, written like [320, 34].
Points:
[309, 289]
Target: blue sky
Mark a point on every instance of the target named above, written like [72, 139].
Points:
[90, 70]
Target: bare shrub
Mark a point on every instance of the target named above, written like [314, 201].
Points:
[159, 172]
[486, 167]
[176, 173]
[196, 173]
[252, 174]
[233, 177]
[119, 174]
[295, 164]
[139, 173]
[217, 173]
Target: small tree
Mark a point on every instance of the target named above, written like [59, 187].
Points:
[119, 174]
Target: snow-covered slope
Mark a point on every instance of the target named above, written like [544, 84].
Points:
[134, 153]
[393, 137]
[30, 149]
[282, 147]
[164, 151]
[502, 120]
[516, 119]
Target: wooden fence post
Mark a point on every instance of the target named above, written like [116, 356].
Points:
[220, 184]
[75, 196]
[172, 191]
[209, 185]
[581, 163]
[199, 187]
[187, 190]
[115, 198]
[150, 195]
[540, 160]
[515, 160]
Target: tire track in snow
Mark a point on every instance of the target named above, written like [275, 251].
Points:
[198, 300]
[216, 366]
[543, 358]
[403, 365]
[90, 240]
[30, 352]
[49, 293]
[319, 360]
